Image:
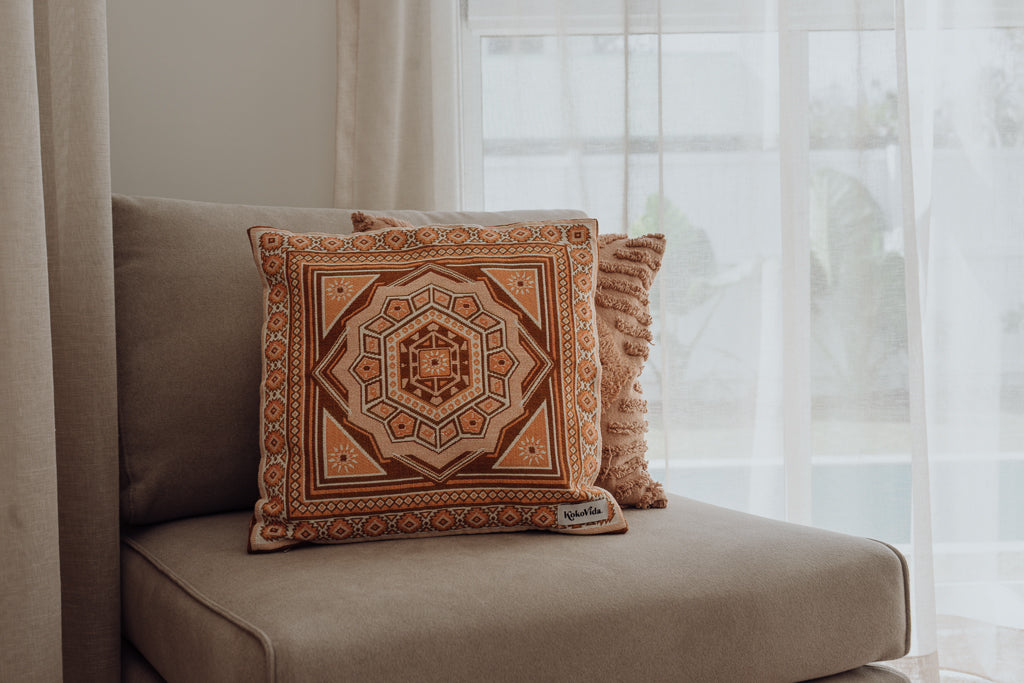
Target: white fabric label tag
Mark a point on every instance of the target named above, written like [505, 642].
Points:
[582, 513]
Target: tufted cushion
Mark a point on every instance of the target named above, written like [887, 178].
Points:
[627, 270]
[429, 382]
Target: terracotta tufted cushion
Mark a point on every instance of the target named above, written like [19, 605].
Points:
[627, 270]
[427, 382]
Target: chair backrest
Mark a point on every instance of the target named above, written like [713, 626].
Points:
[188, 300]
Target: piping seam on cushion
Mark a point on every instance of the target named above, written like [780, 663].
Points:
[211, 605]
[906, 593]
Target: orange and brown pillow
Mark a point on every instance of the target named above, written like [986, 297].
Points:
[627, 268]
[431, 381]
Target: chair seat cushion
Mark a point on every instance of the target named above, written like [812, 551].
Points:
[692, 592]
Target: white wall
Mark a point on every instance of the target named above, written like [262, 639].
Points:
[223, 100]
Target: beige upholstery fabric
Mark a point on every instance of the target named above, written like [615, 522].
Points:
[692, 592]
[135, 668]
[871, 673]
[188, 342]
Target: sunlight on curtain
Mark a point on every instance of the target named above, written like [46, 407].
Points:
[797, 154]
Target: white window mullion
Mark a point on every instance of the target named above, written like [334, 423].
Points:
[796, 295]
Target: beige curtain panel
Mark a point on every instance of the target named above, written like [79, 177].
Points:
[59, 593]
[397, 105]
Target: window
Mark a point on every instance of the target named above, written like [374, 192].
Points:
[671, 123]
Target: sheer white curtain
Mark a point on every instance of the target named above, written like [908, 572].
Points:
[841, 312]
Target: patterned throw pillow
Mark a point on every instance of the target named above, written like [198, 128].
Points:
[627, 270]
[426, 382]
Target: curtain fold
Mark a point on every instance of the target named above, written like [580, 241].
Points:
[922, 559]
[30, 602]
[840, 314]
[397, 121]
[61, 592]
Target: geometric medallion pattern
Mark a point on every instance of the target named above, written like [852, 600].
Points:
[433, 364]
[428, 381]
[626, 270]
